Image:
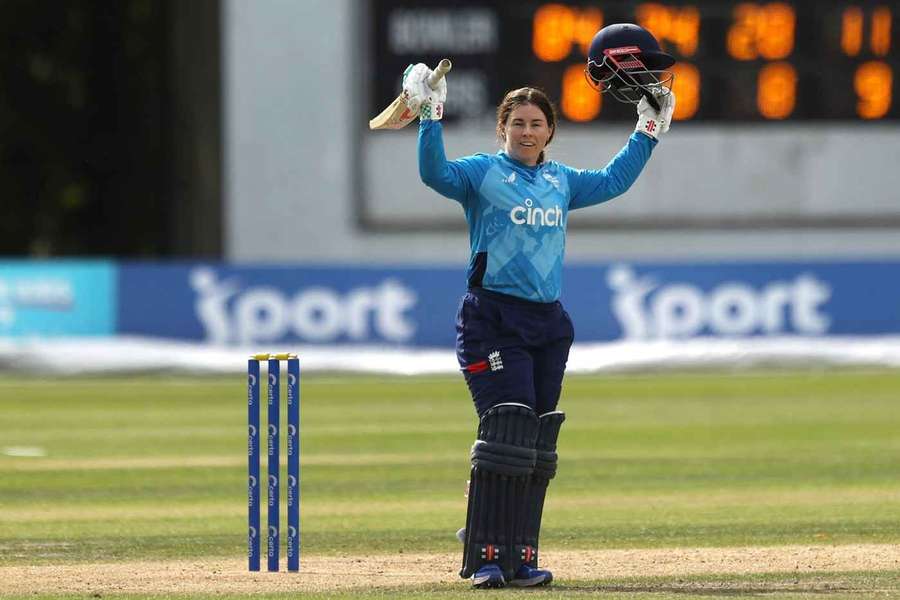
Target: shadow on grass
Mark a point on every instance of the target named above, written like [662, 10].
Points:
[740, 591]
[856, 585]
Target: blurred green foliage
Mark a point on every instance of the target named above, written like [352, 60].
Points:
[82, 127]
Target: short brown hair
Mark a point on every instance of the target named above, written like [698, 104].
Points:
[526, 95]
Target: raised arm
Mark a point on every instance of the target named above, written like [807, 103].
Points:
[589, 187]
[456, 179]
[441, 175]
[593, 186]
[434, 169]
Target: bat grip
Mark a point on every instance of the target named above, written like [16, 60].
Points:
[442, 69]
[651, 99]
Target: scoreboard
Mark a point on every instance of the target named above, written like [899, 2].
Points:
[736, 61]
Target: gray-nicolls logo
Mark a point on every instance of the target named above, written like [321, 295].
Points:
[495, 360]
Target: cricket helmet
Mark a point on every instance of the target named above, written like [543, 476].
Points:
[626, 61]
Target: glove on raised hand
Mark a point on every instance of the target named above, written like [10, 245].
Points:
[651, 122]
[420, 97]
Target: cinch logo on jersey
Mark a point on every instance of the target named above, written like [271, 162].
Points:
[529, 215]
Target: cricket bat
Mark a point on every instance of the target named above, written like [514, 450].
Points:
[398, 115]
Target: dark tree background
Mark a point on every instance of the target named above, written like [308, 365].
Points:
[109, 128]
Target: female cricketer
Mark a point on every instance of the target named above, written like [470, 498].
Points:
[513, 335]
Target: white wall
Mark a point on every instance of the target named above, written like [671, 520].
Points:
[286, 132]
[293, 95]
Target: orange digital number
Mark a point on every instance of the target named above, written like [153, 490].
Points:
[553, 27]
[587, 23]
[881, 31]
[557, 27]
[851, 30]
[579, 102]
[852, 24]
[776, 90]
[762, 31]
[679, 25]
[687, 90]
[872, 82]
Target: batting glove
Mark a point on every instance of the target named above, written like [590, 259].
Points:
[652, 123]
[420, 96]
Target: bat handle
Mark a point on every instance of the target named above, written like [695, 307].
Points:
[442, 69]
[651, 99]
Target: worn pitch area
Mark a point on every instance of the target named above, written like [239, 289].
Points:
[321, 573]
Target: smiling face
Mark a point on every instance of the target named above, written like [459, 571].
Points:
[526, 133]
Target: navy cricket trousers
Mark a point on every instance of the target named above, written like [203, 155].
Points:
[512, 350]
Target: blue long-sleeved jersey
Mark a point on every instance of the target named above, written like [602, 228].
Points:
[517, 214]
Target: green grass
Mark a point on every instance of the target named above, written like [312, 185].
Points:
[154, 468]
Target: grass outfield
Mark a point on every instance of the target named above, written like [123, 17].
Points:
[153, 471]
